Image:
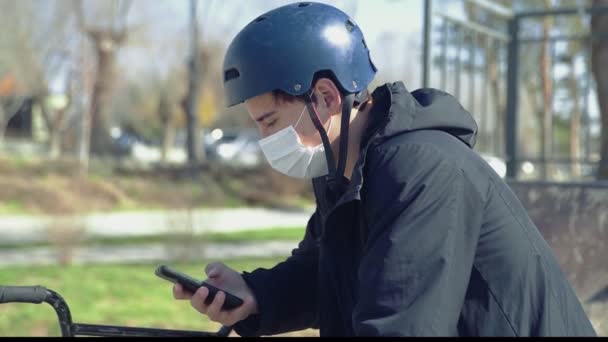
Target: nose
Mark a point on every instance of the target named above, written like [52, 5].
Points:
[264, 132]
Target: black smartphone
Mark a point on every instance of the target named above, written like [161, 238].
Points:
[191, 285]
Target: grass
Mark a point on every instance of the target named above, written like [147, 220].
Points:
[11, 207]
[270, 234]
[124, 295]
[38, 186]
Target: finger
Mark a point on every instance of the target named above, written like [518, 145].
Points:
[214, 269]
[214, 310]
[180, 293]
[198, 300]
[234, 316]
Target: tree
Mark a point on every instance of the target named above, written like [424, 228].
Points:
[546, 115]
[107, 38]
[538, 78]
[190, 101]
[572, 83]
[494, 52]
[34, 54]
[204, 74]
[599, 56]
[156, 102]
[575, 118]
[9, 105]
[56, 115]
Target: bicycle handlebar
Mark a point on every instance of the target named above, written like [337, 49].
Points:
[22, 294]
[39, 294]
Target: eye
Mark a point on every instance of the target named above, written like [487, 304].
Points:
[271, 123]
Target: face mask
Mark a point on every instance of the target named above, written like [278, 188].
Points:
[286, 153]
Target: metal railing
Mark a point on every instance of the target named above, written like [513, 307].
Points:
[469, 61]
[481, 65]
[514, 61]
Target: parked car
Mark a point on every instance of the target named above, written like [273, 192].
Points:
[236, 148]
[498, 164]
[123, 142]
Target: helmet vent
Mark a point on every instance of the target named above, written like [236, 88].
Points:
[350, 26]
[262, 18]
[304, 4]
[231, 74]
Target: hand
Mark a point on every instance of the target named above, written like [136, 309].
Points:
[223, 277]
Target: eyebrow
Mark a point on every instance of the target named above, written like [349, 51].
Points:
[264, 116]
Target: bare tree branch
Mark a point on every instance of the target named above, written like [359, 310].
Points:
[79, 10]
[124, 12]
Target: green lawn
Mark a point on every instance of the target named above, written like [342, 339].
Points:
[11, 207]
[125, 295]
[270, 234]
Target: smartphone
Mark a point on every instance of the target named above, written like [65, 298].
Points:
[191, 285]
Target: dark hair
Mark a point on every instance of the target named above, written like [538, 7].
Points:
[281, 96]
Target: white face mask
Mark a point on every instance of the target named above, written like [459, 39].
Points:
[286, 153]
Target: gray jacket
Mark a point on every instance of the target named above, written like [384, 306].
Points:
[427, 240]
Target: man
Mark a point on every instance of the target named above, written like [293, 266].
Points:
[413, 234]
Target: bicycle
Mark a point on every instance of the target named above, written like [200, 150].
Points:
[38, 294]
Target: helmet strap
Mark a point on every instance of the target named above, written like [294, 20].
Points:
[336, 180]
[347, 107]
[314, 116]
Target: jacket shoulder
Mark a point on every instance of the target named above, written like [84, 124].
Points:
[427, 152]
[431, 144]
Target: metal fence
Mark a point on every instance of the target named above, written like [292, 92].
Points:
[514, 157]
[468, 60]
[481, 63]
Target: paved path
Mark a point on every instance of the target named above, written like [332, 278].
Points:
[15, 229]
[146, 253]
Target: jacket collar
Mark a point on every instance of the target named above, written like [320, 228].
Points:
[386, 102]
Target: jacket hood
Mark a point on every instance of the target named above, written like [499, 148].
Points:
[422, 109]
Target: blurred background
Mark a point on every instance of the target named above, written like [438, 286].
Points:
[117, 152]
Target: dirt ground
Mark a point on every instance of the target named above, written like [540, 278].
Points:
[598, 314]
[44, 187]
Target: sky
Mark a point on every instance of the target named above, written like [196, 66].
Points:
[393, 28]
[158, 36]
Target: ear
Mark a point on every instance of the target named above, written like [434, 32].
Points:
[328, 95]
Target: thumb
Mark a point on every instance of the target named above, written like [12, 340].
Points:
[214, 269]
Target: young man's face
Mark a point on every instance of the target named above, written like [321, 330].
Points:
[272, 115]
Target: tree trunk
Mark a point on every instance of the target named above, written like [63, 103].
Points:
[55, 151]
[575, 123]
[56, 133]
[190, 103]
[46, 116]
[166, 118]
[6, 115]
[533, 91]
[84, 81]
[494, 78]
[599, 24]
[168, 140]
[102, 90]
[3, 124]
[54, 122]
[546, 69]
[85, 138]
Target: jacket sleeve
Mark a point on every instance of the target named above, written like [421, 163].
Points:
[423, 222]
[287, 293]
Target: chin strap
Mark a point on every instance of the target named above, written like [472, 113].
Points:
[336, 180]
[314, 116]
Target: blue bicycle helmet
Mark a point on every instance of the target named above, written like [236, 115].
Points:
[284, 48]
